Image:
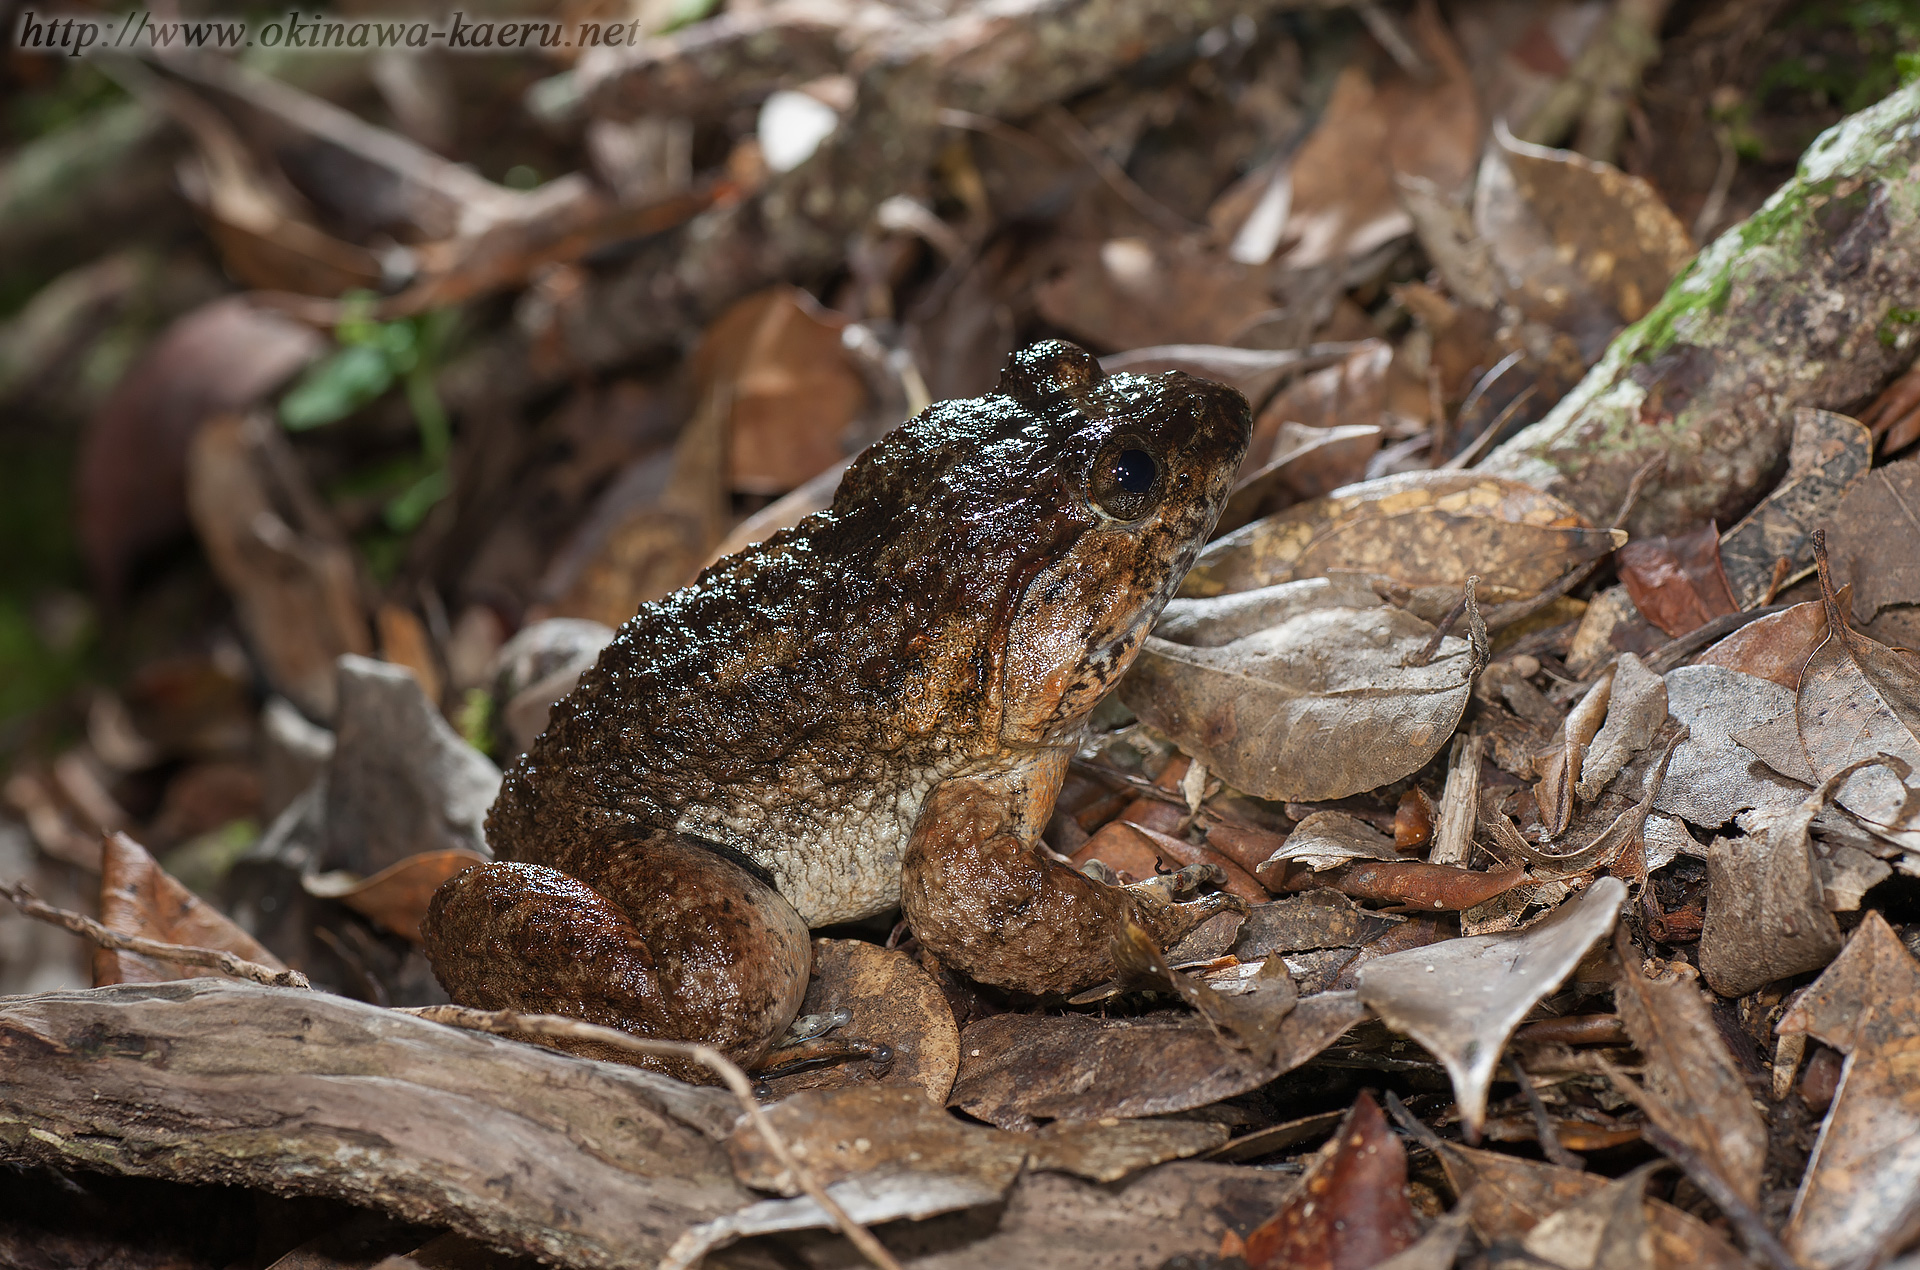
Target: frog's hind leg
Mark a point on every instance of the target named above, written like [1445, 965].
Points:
[670, 940]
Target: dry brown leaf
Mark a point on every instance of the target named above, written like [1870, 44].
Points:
[1253, 371]
[1555, 789]
[1776, 646]
[397, 896]
[1175, 853]
[1676, 581]
[1860, 1198]
[1826, 461]
[844, 1133]
[1510, 1196]
[1894, 416]
[404, 642]
[275, 548]
[1859, 699]
[1016, 1067]
[629, 554]
[1329, 839]
[1136, 292]
[1425, 531]
[1578, 245]
[1307, 462]
[138, 897]
[1875, 539]
[131, 477]
[1463, 998]
[1415, 883]
[1636, 711]
[792, 390]
[1350, 1211]
[1323, 705]
[1604, 1231]
[1350, 393]
[1692, 1089]
[1712, 778]
[892, 1002]
[1766, 916]
[1340, 189]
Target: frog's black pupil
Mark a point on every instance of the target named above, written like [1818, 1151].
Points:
[1133, 471]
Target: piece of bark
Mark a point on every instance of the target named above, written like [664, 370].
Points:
[401, 781]
[1789, 308]
[580, 1163]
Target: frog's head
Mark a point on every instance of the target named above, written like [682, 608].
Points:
[1035, 534]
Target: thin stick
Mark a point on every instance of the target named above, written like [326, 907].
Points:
[181, 954]
[1550, 1145]
[507, 1022]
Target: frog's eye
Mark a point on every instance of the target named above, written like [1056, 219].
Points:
[1125, 482]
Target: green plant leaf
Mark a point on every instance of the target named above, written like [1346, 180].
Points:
[336, 387]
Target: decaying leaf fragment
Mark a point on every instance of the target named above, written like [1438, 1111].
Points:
[1015, 1068]
[1859, 699]
[1317, 919]
[1860, 1199]
[138, 897]
[273, 545]
[1350, 1211]
[1692, 1088]
[1776, 646]
[1510, 1197]
[1463, 998]
[1636, 710]
[1766, 918]
[845, 1133]
[1774, 544]
[1712, 778]
[397, 896]
[1676, 581]
[890, 1001]
[1326, 703]
[1874, 533]
[1424, 531]
[1604, 1231]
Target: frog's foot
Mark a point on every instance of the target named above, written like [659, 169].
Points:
[1158, 901]
[671, 940]
[984, 901]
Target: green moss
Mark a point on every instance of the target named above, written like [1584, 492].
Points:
[1889, 330]
[1655, 333]
[1780, 222]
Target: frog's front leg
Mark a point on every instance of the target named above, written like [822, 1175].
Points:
[981, 897]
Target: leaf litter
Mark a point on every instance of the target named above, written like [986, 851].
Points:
[1441, 733]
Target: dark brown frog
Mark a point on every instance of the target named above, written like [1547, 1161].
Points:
[874, 708]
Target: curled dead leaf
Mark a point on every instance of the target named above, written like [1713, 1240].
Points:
[1426, 532]
[1463, 998]
[1327, 703]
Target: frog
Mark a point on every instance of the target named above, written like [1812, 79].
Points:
[873, 709]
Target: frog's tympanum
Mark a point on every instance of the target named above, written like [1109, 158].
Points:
[872, 709]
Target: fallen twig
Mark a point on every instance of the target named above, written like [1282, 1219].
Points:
[181, 954]
[511, 1022]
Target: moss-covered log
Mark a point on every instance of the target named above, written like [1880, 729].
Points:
[1812, 301]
